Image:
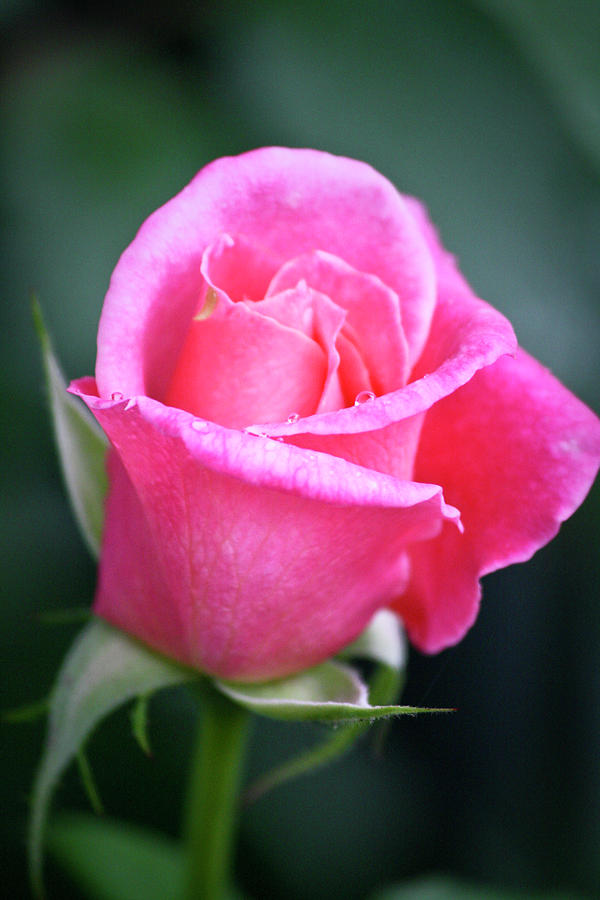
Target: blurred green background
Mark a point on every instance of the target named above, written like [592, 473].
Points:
[490, 112]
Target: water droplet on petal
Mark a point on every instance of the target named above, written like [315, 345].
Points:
[199, 425]
[364, 397]
[116, 395]
[293, 418]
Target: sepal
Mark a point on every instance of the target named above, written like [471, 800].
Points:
[334, 691]
[331, 692]
[103, 669]
[325, 694]
[81, 445]
[382, 642]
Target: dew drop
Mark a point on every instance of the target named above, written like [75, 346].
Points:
[364, 397]
[199, 425]
[293, 418]
[116, 395]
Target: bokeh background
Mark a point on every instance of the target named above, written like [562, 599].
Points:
[490, 112]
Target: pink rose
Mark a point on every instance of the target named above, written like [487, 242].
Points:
[314, 417]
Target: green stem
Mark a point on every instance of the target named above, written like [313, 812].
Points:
[212, 801]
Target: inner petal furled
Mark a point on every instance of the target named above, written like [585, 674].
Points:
[238, 268]
[322, 320]
[238, 367]
[373, 312]
[354, 376]
[298, 351]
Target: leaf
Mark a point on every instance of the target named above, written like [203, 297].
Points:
[31, 712]
[139, 723]
[330, 692]
[87, 778]
[333, 747]
[81, 445]
[102, 670]
[441, 888]
[113, 861]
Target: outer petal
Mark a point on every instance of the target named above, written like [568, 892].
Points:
[517, 452]
[252, 558]
[391, 450]
[288, 201]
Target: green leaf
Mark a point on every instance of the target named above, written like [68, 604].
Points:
[87, 778]
[81, 444]
[441, 888]
[326, 751]
[330, 692]
[113, 861]
[102, 670]
[139, 723]
[31, 712]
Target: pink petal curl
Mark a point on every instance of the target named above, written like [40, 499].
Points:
[517, 453]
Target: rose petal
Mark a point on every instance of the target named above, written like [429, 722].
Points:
[373, 310]
[264, 558]
[289, 201]
[466, 335]
[314, 314]
[517, 452]
[229, 358]
[354, 376]
[129, 569]
[238, 267]
[388, 450]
